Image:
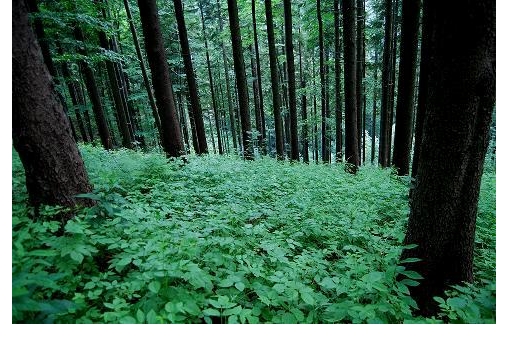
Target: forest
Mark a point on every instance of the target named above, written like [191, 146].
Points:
[253, 162]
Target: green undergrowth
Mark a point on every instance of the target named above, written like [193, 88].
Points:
[221, 240]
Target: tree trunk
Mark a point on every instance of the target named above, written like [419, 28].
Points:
[171, 135]
[279, 143]
[41, 132]
[352, 151]
[255, 90]
[146, 81]
[258, 79]
[231, 110]
[117, 98]
[374, 110]
[314, 115]
[360, 10]
[323, 82]
[393, 79]
[210, 79]
[384, 133]
[338, 99]
[191, 78]
[303, 87]
[407, 77]
[93, 93]
[458, 113]
[293, 123]
[241, 80]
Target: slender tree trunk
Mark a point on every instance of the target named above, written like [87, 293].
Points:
[407, 75]
[41, 132]
[314, 116]
[323, 82]
[210, 79]
[93, 93]
[171, 135]
[338, 99]
[303, 87]
[191, 78]
[241, 81]
[374, 109]
[458, 114]
[258, 79]
[352, 152]
[385, 126]
[279, 143]
[117, 97]
[228, 86]
[393, 79]
[288, 28]
[146, 81]
[360, 10]
[255, 90]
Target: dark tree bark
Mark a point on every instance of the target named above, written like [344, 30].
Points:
[231, 110]
[241, 80]
[324, 143]
[360, 10]
[352, 151]
[303, 87]
[146, 81]
[210, 79]
[407, 77]
[93, 93]
[171, 135]
[258, 80]
[41, 132]
[314, 115]
[374, 110]
[458, 113]
[392, 81]
[191, 78]
[255, 90]
[385, 126]
[123, 125]
[274, 76]
[293, 123]
[338, 99]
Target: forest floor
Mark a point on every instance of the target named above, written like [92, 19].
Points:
[222, 240]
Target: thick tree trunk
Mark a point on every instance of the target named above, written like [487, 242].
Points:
[352, 151]
[41, 133]
[407, 76]
[338, 99]
[385, 126]
[171, 135]
[93, 93]
[191, 78]
[293, 123]
[279, 143]
[241, 80]
[458, 113]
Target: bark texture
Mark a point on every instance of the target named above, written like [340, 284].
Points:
[384, 125]
[458, 113]
[41, 132]
[351, 146]
[171, 135]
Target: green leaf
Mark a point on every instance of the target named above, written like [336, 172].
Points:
[231, 311]
[298, 314]
[211, 312]
[373, 276]
[240, 286]
[128, 320]
[409, 260]
[154, 286]
[440, 300]
[89, 285]
[410, 282]
[140, 316]
[151, 317]
[76, 256]
[456, 302]
[306, 297]
[412, 274]
[19, 291]
[43, 253]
